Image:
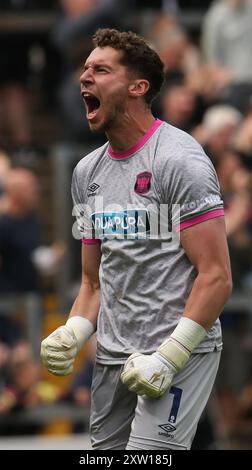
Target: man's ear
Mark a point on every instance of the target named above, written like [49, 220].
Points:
[138, 88]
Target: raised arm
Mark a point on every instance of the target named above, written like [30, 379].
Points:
[59, 349]
[206, 247]
[87, 303]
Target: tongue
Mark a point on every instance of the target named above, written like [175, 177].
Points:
[93, 113]
[93, 107]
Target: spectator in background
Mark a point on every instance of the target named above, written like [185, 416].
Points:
[179, 104]
[19, 233]
[174, 46]
[209, 81]
[180, 57]
[19, 237]
[234, 181]
[217, 130]
[15, 110]
[226, 35]
[20, 240]
[24, 390]
[243, 138]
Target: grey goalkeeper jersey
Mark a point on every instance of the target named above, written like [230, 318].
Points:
[145, 275]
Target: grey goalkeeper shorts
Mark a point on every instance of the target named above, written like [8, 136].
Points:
[121, 420]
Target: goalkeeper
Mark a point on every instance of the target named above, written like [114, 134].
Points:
[155, 308]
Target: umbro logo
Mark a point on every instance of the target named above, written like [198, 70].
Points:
[168, 428]
[92, 188]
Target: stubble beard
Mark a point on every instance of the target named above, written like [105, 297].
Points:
[111, 120]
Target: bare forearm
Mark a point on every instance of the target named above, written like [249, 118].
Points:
[207, 299]
[87, 303]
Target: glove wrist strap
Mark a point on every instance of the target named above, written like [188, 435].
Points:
[173, 353]
[187, 335]
[82, 329]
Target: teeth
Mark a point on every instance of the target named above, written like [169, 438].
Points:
[88, 95]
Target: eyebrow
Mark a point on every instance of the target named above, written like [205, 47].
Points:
[97, 64]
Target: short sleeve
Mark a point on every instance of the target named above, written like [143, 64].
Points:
[82, 228]
[75, 189]
[191, 189]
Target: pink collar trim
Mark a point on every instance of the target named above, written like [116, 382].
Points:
[138, 145]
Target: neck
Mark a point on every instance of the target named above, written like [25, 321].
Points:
[129, 129]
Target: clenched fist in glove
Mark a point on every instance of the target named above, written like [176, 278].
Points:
[59, 349]
[152, 375]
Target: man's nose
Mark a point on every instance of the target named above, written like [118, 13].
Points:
[87, 76]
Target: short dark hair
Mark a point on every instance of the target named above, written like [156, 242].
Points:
[137, 56]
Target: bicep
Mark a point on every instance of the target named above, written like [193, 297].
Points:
[91, 258]
[206, 246]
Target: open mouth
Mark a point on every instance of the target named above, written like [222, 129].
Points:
[92, 105]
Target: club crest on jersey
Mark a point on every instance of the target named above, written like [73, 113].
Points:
[143, 182]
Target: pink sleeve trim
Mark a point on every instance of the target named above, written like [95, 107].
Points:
[201, 218]
[90, 241]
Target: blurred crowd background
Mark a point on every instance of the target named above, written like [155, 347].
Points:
[206, 47]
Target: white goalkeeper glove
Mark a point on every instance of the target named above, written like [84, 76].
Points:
[152, 375]
[59, 349]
